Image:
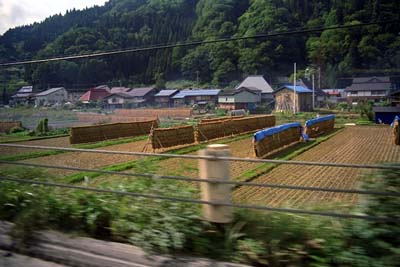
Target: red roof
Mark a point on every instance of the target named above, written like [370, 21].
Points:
[94, 95]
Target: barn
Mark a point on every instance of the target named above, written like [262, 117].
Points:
[284, 98]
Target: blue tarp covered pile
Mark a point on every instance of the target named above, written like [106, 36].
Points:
[260, 135]
[395, 119]
[320, 119]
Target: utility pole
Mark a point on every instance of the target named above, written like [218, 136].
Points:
[197, 76]
[319, 77]
[313, 92]
[294, 89]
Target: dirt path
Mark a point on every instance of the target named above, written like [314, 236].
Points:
[362, 145]
[57, 142]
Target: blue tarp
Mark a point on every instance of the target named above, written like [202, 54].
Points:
[320, 119]
[260, 135]
[395, 119]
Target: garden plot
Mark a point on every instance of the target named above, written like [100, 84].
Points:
[358, 145]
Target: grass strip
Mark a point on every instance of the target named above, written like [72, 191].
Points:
[28, 138]
[287, 154]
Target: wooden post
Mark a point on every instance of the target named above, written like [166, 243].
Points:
[215, 169]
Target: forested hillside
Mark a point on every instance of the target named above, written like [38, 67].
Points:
[136, 23]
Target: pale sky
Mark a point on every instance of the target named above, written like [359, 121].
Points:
[22, 12]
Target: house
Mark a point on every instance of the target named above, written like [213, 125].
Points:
[142, 96]
[24, 95]
[164, 98]
[284, 98]
[386, 115]
[335, 95]
[118, 100]
[258, 83]
[374, 89]
[53, 96]
[394, 98]
[94, 95]
[194, 96]
[242, 98]
[136, 97]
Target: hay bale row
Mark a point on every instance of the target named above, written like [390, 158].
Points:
[277, 141]
[319, 126]
[174, 136]
[226, 118]
[89, 134]
[396, 132]
[6, 126]
[227, 127]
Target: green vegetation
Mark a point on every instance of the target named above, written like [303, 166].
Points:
[124, 24]
[256, 238]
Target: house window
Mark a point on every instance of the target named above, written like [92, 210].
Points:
[378, 92]
[226, 99]
[354, 92]
[114, 100]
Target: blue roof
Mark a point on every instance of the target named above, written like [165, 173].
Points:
[199, 92]
[260, 135]
[166, 92]
[299, 89]
[320, 119]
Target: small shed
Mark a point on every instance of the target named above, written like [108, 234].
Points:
[242, 98]
[284, 98]
[386, 114]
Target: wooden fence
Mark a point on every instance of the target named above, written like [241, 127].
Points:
[88, 134]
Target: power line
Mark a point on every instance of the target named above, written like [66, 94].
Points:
[274, 161]
[196, 201]
[196, 43]
[200, 180]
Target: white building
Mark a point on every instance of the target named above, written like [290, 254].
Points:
[51, 97]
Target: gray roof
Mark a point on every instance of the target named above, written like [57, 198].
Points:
[140, 92]
[166, 92]
[26, 89]
[120, 94]
[50, 91]
[237, 91]
[198, 92]
[256, 82]
[370, 84]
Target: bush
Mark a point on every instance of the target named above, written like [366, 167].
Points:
[17, 129]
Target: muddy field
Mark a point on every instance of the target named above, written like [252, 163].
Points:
[362, 145]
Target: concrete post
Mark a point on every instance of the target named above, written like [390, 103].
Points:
[215, 169]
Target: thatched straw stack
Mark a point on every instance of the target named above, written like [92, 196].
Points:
[174, 136]
[276, 138]
[88, 134]
[319, 126]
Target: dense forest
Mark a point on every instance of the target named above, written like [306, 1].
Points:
[121, 24]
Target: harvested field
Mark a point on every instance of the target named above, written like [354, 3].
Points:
[359, 145]
[89, 160]
[57, 142]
